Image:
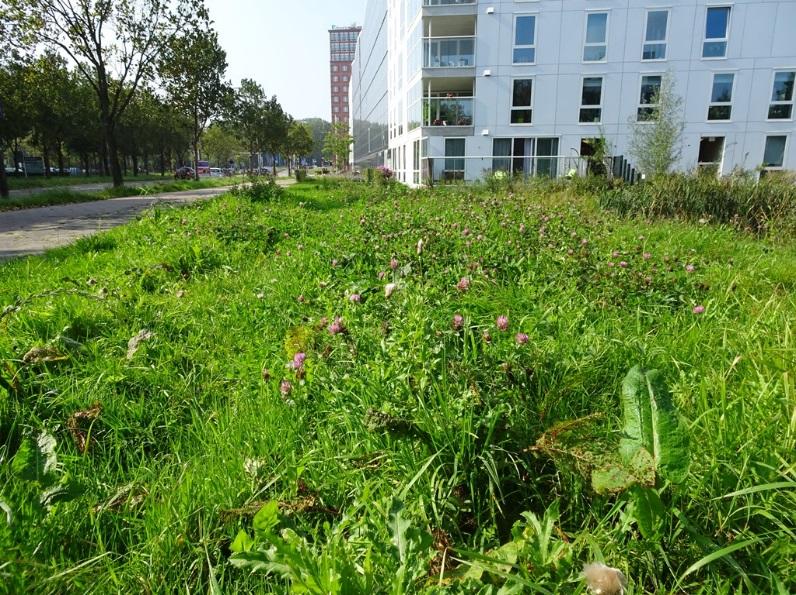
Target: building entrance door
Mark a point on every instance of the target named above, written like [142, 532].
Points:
[523, 151]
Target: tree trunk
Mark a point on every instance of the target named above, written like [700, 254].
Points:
[3, 179]
[14, 154]
[45, 152]
[113, 153]
[106, 168]
[60, 147]
[196, 146]
[135, 164]
[162, 163]
[195, 159]
[274, 156]
[288, 166]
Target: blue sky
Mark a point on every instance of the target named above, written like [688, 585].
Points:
[284, 46]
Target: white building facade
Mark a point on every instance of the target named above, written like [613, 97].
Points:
[475, 86]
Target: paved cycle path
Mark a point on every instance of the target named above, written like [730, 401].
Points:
[91, 187]
[32, 231]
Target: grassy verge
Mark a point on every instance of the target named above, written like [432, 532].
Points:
[23, 183]
[155, 416]
[61, 196]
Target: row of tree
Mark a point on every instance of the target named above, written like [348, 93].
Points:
[53, 111]
[139, 81]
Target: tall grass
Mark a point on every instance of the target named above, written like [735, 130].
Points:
[767, 206]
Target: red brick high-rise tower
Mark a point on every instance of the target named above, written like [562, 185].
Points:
[342, 45]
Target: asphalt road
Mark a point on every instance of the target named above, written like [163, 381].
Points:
[32, 231]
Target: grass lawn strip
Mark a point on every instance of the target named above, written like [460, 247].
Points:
[302, 374]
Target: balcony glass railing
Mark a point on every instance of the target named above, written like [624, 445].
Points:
[446, 2]
[449, 52]
[448, 111]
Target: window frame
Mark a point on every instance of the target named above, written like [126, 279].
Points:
[771, 102]
[515, 46]
[763, 166]
[591, 107]
[664, 41]
[529, 107]
[725, 39]
[462, 157]
[586, 43]
[640, 105]
[712, 103]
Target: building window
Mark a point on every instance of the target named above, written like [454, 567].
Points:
[721, 97]
[454, 168]
[781, 107]
[526, 156]
[591, 100]
[648, 102]
[655, 35]
[335, 89]
[345, 67]
[594, 49]
[774, 153]
[522, 102]
[711, 154]
[525, 39]
[336, 108]
[717, 25]
[334, 67]
[336, 79]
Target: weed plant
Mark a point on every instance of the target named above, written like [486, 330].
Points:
[344, 389]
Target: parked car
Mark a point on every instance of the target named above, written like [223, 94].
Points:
[184, 173]
[215, 172]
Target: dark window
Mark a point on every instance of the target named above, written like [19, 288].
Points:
[522, 102]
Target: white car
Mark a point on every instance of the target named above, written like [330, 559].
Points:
[215, 172]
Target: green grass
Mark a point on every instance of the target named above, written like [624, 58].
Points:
[23, 183]
[65, 196]
[403, 446]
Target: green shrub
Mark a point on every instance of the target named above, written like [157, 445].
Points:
[301, 175]
[738, 200]
[260, 190]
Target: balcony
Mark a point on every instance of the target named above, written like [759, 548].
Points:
[449, 52]
[449, 7]
[448, 111]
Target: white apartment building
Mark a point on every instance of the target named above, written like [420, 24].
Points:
[454, 89]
